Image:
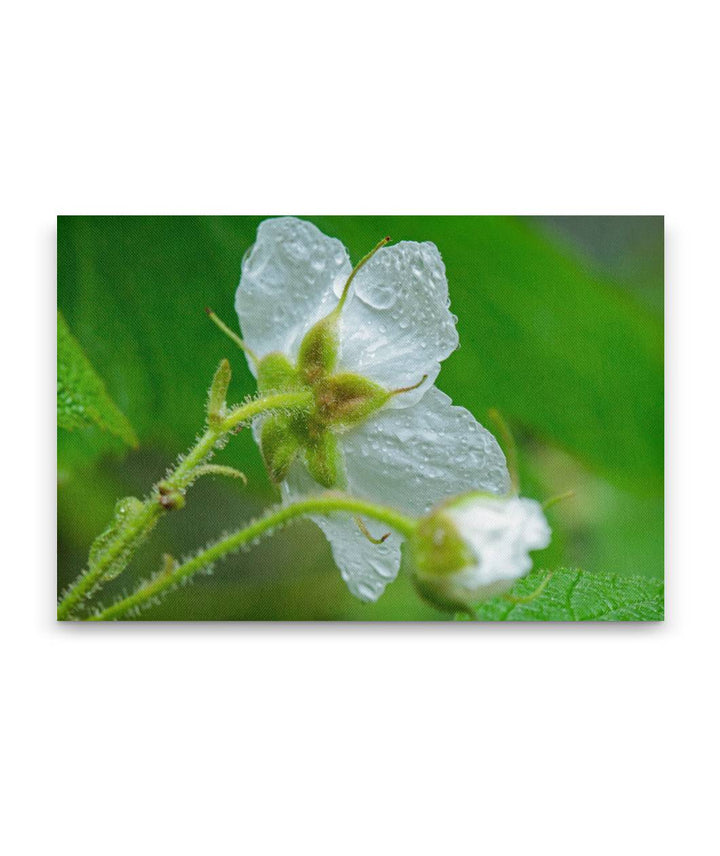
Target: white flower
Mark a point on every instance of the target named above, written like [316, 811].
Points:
[380, 429]
[474, 547]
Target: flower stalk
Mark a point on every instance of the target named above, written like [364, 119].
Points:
[323, 504]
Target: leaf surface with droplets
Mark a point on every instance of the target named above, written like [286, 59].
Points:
[573, 595]
[81, 395]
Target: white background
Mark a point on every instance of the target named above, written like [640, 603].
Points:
[358, 739]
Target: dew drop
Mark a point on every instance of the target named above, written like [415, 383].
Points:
[380, 283]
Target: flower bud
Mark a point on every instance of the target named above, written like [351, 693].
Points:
[474, 547]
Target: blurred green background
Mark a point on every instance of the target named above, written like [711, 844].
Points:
[561, 329]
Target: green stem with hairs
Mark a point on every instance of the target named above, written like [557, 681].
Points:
[170, 490]
[324, 504]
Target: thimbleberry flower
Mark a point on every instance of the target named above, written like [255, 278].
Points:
[368, 341]
[474, 547]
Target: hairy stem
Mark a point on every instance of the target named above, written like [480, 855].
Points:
[160, 500]
[90, 579]
[325, 504]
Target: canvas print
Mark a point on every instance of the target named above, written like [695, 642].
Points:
[381, 418]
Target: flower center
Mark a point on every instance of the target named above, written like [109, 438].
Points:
[340, 399]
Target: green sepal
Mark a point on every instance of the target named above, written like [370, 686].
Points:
[218, 393]
[345, 399]
[279, 446]
[439, 553]
[438, 548]
[276, 374]
[318, 350]
[323, 459]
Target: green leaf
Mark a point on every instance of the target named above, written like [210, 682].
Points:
[580, 596]
[81, 395]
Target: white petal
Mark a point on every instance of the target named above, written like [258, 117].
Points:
[396, 325]
[500, 532]
[366, 567]
[287, 284]
[413, 459]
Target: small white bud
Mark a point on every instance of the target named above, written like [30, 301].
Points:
[474, 547]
